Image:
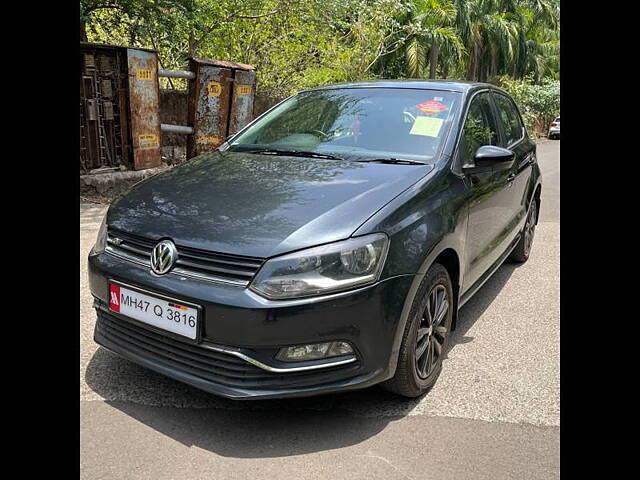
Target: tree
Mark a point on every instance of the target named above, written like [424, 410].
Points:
[296, 44]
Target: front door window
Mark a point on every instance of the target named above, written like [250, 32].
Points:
[479, 128]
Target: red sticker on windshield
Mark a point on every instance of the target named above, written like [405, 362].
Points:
[431, 107]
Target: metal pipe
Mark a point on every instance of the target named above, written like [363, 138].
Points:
[164, 127]
[177, 74]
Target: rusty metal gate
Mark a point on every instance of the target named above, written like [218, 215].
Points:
[220, 102]
[144, 104]
[242, 101]
[119, 108]
[103, 126]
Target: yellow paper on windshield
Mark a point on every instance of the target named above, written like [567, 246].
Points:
[427, 126]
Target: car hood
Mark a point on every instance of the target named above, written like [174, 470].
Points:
[259, 205]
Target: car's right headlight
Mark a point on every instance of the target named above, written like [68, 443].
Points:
[325, 269]
[101, 239]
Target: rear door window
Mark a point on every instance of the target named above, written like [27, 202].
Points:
[509, 120]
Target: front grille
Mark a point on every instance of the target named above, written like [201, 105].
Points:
[212, 366]
[215, 267]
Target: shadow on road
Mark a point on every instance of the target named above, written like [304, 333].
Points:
[254, 433]
[476, 306]
[266, 428]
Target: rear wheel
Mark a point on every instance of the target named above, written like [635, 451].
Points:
[425, 336]
[523, 249]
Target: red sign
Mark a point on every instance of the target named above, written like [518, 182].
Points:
[114, 297]
[431, 106]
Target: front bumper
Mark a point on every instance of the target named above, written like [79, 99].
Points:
[235, 320]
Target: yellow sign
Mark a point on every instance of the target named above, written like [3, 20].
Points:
[243, 90]
[427, 126]
[209, 139]
[214, 89]
[144, 74]
[147, 141]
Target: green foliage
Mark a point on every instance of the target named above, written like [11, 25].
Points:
[539, 103]
[296, 44]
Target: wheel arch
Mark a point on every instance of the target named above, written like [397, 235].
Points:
[537, 196]
[449, 257]
[450, 260]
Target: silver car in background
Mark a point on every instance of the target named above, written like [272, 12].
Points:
[554, 129]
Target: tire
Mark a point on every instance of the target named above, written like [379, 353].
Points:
[521, 253]
[413, 378]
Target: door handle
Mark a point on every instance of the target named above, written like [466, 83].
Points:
[511, 177]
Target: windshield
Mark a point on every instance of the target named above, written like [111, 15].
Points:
[357, 122]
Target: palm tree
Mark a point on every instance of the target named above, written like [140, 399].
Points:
[431, 30]
[514, 37]
[540, 52]
[490, 32]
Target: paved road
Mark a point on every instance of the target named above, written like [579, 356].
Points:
[493, 414]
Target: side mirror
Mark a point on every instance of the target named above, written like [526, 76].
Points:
[490, 157]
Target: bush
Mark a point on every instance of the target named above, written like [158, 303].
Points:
[539, 103]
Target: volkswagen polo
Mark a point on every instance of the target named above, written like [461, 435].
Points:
[327, 246]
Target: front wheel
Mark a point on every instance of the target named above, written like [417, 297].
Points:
[425, 335]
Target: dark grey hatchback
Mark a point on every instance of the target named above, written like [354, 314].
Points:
[327, 246]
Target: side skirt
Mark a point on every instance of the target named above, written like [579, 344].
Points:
[466, 296]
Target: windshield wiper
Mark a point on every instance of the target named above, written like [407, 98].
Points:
[392, 161]
[294, 153]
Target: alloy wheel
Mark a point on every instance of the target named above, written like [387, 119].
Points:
[529, 229]
[432, 331]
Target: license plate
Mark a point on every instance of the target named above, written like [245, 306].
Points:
[171, 315]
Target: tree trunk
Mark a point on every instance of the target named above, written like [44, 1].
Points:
[479, 65]
[191, 8]
[83, 31]
[494, 64]
[192, 43]
[445, 70]
[433, 60]
[474, 64]
[470, 64]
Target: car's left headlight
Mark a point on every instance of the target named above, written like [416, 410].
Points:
[319, 270]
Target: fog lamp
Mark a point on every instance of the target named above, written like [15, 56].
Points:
[314, 351]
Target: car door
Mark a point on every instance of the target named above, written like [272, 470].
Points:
[489, 204]
[515, 139]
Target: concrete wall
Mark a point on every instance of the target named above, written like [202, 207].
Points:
[262, 103]
[105, 187]
[173, 110]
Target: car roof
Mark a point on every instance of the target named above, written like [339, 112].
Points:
[450, 85]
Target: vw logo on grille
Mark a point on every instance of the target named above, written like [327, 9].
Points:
[163, 257]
